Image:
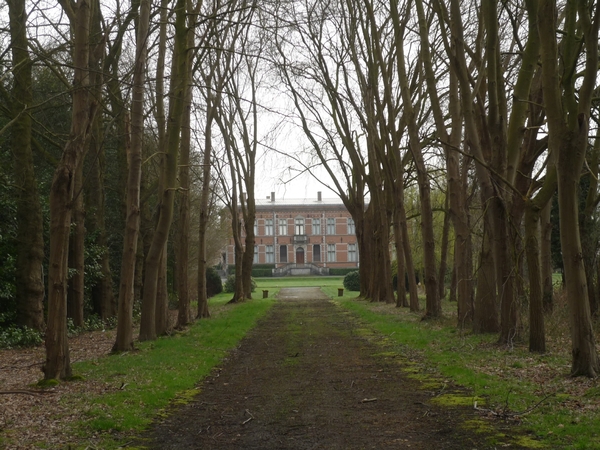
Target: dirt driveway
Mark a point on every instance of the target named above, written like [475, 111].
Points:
[307, 378]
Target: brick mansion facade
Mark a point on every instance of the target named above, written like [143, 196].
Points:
[303, 236]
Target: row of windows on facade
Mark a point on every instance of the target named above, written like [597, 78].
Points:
[300, 226]
[316, 249]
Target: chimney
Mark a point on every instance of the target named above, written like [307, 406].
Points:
[272, 196]
[319, 196]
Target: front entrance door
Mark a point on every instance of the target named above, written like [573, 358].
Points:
[300, 255]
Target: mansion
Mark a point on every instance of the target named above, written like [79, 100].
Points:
[300, 237]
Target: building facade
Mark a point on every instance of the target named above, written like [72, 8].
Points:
[303, 236]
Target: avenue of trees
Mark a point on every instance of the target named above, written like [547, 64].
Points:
[462, 136]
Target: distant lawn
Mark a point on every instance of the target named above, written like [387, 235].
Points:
[281, 282]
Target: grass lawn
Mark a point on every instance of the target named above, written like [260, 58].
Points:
[159, 372]
[279, 282]
[531, 389]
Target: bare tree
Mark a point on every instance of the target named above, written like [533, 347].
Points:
[568, 124]
[124, 340]
[62, 193]
[29, 280]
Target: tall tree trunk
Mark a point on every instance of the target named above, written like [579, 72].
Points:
[58, 363]
[537, 337]
[546, 258]
[176, 102]
[103, 298]
[410, 267]
[30, 250]
[203, 311]
[124, 340]
[184, 313]
[568, 124]
[400, 273]
[444, 253]
[485, 313]
[75, 292]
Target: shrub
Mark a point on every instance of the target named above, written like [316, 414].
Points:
[262, 272]
[341, 271]
[15, 336]
[230, 284]
[214, 285]
[352, 281]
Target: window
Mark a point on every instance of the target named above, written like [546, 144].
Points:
[351, 227]
[268, 227]
[316, 253]
[352, 252]
[299, 226]
[316, 226]
[283, 253]
[255, 261]
[282, 227]
[256, 228]
[330, 226]
[330, 252]
[269, 254]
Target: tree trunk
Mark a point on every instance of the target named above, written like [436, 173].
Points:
[75, 292]
[410, 267]
[178, 85]
[101, 292]
[537, 336]
[30, 250]
[203, 311]
[400, 273]
[124, 340]
[546, 258]
[58, 364]
[184, 313]
[444, 254]
[585, 357]
[485, 314]
[161, 313]
[568, 125]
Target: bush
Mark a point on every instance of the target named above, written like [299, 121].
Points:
[352, 281]
[230, 284]
[341, 271]
[214, 285]
[262, 272]
[15, 336]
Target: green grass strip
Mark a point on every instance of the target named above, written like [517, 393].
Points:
[141, 383]
[475, 362]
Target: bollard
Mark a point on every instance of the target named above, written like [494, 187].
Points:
[340, 292]
[265, 294]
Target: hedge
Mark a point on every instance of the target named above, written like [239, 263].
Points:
[341, 271]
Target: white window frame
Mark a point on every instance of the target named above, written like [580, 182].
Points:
[352, 253]
[331, 226]
[299, 226]
[268, 227]
[269, 254]
[316, 226]
[351, 226]
[255, 259]
[283, 224]
[331, 253]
